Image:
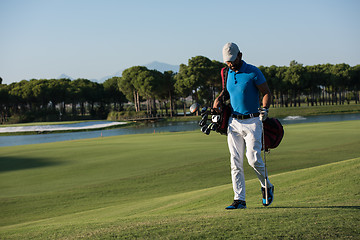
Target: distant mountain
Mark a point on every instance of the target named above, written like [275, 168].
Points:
[161, 67]
[64, 76]
[103, 79]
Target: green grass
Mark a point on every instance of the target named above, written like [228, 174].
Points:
[305, 110]
[176, 185]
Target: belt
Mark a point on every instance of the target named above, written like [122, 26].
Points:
[245, 116]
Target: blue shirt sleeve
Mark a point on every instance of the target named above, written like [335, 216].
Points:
[260, 78]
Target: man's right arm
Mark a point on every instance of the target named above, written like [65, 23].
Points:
[219, 101]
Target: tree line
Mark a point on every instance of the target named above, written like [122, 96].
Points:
[149, 92]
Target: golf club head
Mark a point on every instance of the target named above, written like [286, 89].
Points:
[194, 107]
[215, 118]
[205, 130]
[202, 122]
[213, 126]
[204, 110]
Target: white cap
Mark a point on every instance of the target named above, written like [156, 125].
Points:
[230, 52]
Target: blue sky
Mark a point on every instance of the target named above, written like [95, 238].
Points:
[96, 38]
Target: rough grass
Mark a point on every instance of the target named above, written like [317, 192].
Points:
[176, 185]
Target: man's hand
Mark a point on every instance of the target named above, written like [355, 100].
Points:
[218, 103]
[264, 112]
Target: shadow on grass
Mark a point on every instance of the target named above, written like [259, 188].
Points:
[318, 207]
[16, 163]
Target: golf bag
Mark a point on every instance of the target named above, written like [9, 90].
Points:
[225, 108]
[224, 119]
[217, 120]
[273, 133]
[219, 116]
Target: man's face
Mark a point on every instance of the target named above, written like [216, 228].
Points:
[236, 64]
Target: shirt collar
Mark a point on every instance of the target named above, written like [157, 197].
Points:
[243, 66]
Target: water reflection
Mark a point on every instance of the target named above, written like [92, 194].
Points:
[156, 127]
[321, 118]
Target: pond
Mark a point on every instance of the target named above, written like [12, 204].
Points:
[156, 127]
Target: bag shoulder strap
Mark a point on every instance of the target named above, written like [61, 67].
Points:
[224, 75]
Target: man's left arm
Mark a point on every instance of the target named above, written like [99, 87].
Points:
[265, 91]
[266, 100]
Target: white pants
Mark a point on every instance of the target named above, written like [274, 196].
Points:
[245, 134]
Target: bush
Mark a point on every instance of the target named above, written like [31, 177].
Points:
[126, 115]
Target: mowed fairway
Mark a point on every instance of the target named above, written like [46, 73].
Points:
[176, 186]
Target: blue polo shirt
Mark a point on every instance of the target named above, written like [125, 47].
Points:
[241, 85]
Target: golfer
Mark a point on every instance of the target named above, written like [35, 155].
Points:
[244, 83]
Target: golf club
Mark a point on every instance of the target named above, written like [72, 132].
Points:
[194, 107]
[266, 177]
